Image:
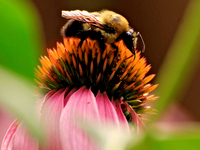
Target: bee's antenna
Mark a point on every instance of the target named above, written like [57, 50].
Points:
[138, 34]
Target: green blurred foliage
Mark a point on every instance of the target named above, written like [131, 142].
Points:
[21, 41]
[21, 37]
[177, 139]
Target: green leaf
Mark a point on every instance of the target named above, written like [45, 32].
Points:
[176, 139]
[20, 44]
[21, 37]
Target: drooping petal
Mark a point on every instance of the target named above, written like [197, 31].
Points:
[50, 117]
[22, 140]
[136, 119]
[106, 110]
[9, 134]
[82, 104]
[120, 114]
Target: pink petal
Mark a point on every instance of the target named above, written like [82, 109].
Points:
[68, 96]
[43, 100]
[81, 104]
[136, 119]
[9, 134]
[122, 119]
[106, 110]
[50, 116]
[22, 140]
[6, 120]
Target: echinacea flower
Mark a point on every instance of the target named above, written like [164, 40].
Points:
[89, 84]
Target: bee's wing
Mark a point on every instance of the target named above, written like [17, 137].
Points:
[83, 16]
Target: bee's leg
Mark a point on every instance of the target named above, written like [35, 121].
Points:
[98, 36]
[114, 46]
[128, 41]
[134, 52]
[81, 42]
[132, 49]
[102, 44]
[83, 35]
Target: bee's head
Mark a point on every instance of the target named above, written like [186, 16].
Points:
[135, 36]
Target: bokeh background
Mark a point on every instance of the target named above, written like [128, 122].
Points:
[156, 20]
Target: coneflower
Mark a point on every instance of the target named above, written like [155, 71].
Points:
[101, 86]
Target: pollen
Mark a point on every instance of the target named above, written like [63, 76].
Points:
[115, 71]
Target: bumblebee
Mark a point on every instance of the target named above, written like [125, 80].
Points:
[105, 26]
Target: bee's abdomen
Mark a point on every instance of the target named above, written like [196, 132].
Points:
[72, 28]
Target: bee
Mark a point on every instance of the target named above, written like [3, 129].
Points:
[105, 26]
